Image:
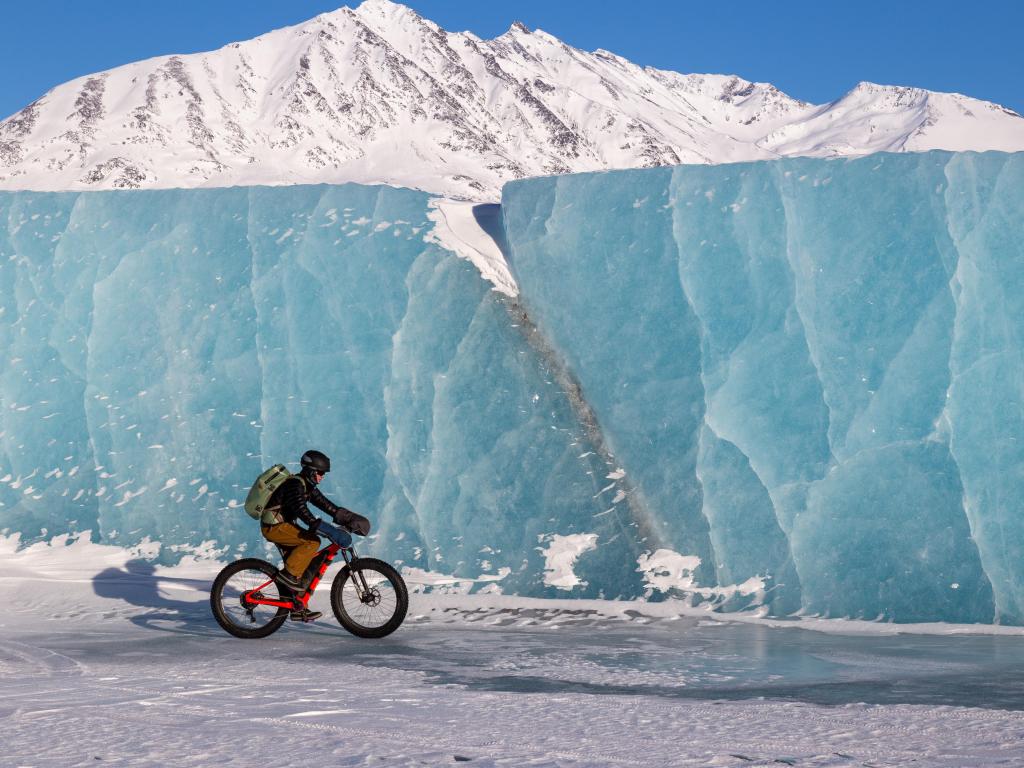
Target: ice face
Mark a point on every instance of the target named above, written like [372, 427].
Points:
[798, 377]
[161, 348]
[813, 366]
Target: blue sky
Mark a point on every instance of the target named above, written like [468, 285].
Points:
[814, 51]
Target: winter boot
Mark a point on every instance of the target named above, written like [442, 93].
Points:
[294, 584]
[304, 614]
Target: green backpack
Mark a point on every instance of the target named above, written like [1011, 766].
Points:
[262, 490]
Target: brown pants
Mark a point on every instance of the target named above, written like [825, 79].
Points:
[303, 543]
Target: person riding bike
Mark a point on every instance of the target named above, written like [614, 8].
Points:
[287, 505]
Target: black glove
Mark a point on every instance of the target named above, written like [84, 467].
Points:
[352, 521]
[314, 526]
[359, 524]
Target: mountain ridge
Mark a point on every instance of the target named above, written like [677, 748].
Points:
[379, 94]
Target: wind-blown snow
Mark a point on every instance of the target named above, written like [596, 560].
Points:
[460, 227]
[381, 95]
[560, 556]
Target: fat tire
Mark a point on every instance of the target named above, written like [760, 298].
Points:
[217, 606]
[389, 573]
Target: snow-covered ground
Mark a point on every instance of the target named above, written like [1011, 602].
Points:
[106, 659]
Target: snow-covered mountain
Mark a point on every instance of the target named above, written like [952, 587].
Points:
[380, 94]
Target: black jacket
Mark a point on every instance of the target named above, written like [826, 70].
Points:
[295, 492]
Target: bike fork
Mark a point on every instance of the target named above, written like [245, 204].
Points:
[357, 576]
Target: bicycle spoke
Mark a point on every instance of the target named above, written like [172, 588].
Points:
[382, 592]
[249, 616]
[369, 598]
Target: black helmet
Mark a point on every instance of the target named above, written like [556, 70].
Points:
[315, 461]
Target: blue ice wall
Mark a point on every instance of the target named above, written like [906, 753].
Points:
[804, 373]
[161, 348]
[809, 369]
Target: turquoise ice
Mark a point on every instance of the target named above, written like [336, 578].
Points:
[811, 370]
[801, 374]
[160, 348]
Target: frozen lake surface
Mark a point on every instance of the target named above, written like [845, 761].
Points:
[115, 663]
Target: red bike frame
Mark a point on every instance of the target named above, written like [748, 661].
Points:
[326, 555]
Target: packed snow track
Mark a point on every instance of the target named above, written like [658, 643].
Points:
[125, 666]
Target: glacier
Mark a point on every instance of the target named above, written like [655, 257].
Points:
[162, 347]
[801, 375]
[811, 369]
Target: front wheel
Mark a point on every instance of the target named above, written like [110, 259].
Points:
[369, 598]
[231, 595]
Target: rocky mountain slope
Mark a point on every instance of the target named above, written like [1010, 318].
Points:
[380, 94]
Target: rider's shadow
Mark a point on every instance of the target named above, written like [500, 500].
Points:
[137, 584]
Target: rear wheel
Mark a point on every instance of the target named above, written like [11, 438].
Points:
[369, 598]
[230, 599]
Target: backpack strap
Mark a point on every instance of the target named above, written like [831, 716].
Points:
[272, 515]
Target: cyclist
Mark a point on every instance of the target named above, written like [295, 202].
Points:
[287, 505]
